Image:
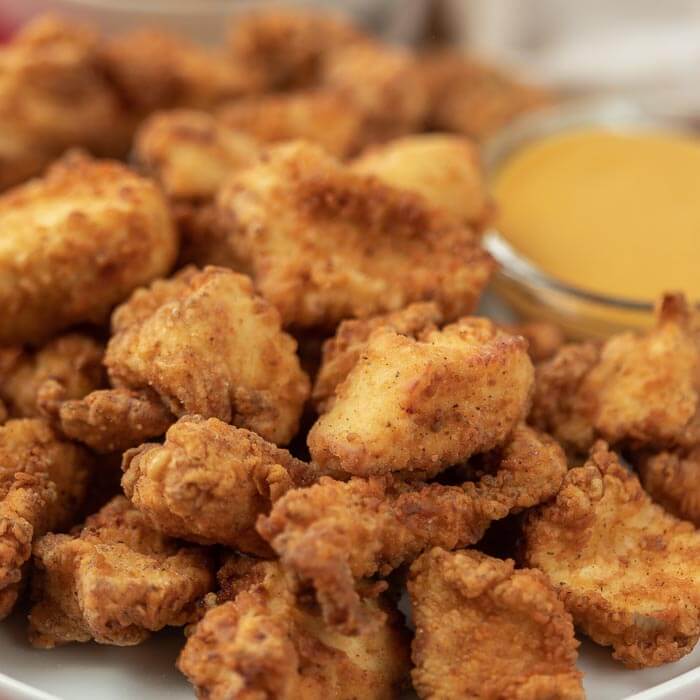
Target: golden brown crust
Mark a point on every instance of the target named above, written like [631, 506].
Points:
[208, 482]
[206, 344]
[323, 244]
[73, 361]
[333, 533]
[673, 480]
[425, 404]
[267, 644]
[625, 569]
[544, 339]
[485, 631]
[114, 581]
[53, 96]
[75, 243]
[342, 352]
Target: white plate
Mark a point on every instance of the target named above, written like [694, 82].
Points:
[89, 671]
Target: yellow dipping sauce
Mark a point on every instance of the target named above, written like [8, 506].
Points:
[616, 213]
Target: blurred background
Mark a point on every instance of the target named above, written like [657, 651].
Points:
[630, 46]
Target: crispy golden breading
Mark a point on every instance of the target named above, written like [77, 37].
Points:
[425, 404]
[191, 153]
[201, 343]
[342, 352]
[673, 480]
[261, 642]
[544, 339]
[114, 581]
[487, 632]
[75, 243]
[73, 361]
[154, 69]
[208, 482]
[625, 569]
[324, 117]
[637, 389]
[53, 96]
[286, 48]
[470, 98]
[335, 533]
[445, 169]
[25, 504]
[323, 244]
[32, 446]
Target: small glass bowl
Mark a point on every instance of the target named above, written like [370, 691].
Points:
[535, 294]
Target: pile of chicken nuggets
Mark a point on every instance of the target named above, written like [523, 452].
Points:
[242, 390]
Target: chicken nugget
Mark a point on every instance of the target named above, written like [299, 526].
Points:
[323, 244]
[114, 581]
[53, 96]
[445, 169]
[199, 343]
[625, 569]
[486, 631]
[425, 404]
[72, 361]
[259, 640]
[208, 482]
[75, 243]
[333, 534]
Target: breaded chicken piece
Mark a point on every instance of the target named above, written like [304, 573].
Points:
[201, 342]
[673, 480]
[641, 390]
[487, 632]
[285, 49]
[323, 244]
[544, 339]
[342, 352]
[32, 446]
[332, 534]
[153, 69]
[383, 81]
[321, 116]
[425, 404]
[261, 642]
[72, 361]
[75, 243]
[470, 98]
[25, 504]
[626, 570]
[114, 581]
[445, 169]
[208, 482]
[190, 153]
[53, 96]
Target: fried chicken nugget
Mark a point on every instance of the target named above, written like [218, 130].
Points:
[673, 480]
[53, 96]
[153, 69]
[487, 632]
[209, 481]
[425, 404]
[334, 533]
[625, 569]
[474, 99]
[445, 169]
[342, 352]
[287, 48]
[25, 503]
[261, 642]
[72, 361]
[75, 243]
[199, 343]
[114, 581]
[323, 244]
[637, 389]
